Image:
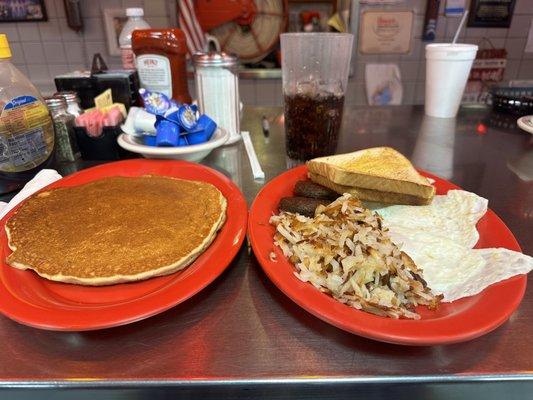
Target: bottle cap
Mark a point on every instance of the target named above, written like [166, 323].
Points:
[134, 12]
[5, 50]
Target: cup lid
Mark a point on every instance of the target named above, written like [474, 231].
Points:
[458, 47]
[134, 12]
[449, 51]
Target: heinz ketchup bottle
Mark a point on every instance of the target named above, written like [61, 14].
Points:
[161, 61]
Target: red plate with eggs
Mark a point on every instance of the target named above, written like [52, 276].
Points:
[458, 321]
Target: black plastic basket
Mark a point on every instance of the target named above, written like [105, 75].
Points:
[104, 147]
[512, 100]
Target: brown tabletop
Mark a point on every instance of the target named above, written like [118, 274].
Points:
[241, 337]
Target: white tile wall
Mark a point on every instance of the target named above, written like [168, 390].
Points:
[75, 53]
[523, 7]
[11, 31]
[157, 22]
[68, 34]
[412, 65]
[38, 73]
[452, 23]
[409, 94]
[511, 69]
[28, 31]
[515, 48]
[409, 70]
[54, 53]
[56, 7]
[18, 55]
[33, 52]
[44, 49]
[520, 25]
[158, 8]
[50, 8]
[475, 32]
[526, 69]
[50, 30]
[419, 93]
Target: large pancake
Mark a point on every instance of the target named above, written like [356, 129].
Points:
[116, 229]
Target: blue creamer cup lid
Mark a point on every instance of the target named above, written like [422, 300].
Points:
[183, 141]
[149, 140]
[203, 131]
[167, 134]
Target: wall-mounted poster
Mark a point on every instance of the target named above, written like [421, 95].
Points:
[385, 32]
[491, 13]
[22, 11]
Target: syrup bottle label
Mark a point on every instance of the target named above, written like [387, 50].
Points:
[26, 134]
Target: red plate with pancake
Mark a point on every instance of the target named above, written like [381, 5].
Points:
[461, 320]
[31, 300]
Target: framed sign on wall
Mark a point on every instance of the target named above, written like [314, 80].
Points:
[22, 11]
[491, 13]
[385, 32]
[114, 21]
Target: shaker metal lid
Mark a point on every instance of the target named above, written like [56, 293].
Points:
[55, 102]
[69, 96]
[215, 59]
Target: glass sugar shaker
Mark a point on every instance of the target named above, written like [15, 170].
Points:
[66, 145]
[73, 102]
[217, 90]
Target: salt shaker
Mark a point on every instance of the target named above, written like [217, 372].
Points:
[217, 89]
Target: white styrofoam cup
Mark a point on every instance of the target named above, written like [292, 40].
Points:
[447, 68]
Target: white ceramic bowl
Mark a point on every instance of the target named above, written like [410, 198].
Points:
[194, 152]
[526, 123]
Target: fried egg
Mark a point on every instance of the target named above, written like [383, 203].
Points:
[440, 238]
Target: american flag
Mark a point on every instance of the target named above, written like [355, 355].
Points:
[189, 24]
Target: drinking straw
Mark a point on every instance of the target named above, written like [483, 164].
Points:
[460, 27]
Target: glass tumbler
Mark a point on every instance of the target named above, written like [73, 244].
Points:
[315, 68]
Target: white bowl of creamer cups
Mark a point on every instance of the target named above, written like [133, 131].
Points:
[193, 152]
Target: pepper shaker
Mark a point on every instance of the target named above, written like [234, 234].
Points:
[66, 146]
[217, 88]
[73, 102]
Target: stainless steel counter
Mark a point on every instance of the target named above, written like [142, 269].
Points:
[242, 338]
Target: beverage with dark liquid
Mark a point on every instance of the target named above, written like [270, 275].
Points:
[312, 124]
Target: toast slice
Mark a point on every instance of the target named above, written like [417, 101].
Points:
[371, 194]
[381, 169]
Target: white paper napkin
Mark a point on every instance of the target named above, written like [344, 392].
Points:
[42, 179]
